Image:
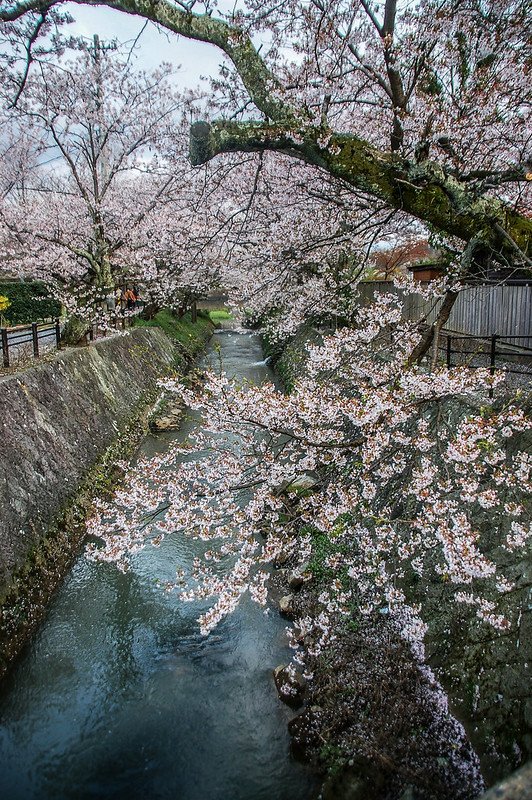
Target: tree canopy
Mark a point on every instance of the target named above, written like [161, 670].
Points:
[423, 107]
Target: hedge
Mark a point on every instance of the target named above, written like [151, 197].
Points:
[31, 301]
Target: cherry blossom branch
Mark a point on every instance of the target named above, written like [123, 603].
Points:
[423, 190]
[232, 40]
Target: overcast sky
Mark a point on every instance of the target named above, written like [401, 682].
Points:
[155, 45]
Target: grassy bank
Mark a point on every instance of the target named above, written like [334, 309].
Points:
[190, 337]
[217, 315]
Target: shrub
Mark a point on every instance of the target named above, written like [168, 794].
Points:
[29, 301]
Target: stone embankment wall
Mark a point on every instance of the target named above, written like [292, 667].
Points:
[56, 420]
[63, 426]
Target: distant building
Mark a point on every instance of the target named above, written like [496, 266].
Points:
[400, 258]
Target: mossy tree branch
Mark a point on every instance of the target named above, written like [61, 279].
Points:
[424, 190]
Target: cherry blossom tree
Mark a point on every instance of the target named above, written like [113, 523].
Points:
[289, 240]
[99, 196]
[392, 490]
[420, 107]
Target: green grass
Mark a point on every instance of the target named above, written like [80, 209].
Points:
[219, 314]
[190, 335]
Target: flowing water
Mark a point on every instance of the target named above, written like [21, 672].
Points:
[118, 695]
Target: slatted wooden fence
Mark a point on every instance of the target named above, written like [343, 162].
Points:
[483, 311]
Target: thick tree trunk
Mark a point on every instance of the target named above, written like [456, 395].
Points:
[150, 310]
[75, 330]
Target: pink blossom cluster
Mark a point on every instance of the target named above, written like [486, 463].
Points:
[393, 488]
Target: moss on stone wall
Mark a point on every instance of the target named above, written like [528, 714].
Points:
[70, 422]
[289, 357]
[24, 601]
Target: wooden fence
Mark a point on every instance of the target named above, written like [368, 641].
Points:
[483, 311]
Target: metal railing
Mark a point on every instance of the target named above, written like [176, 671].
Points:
[477, 312]
[35, 333]
[493, 352]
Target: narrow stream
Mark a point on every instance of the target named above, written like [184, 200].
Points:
[118, 695]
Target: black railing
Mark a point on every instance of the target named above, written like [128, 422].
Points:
[35, 334]
[494, 349]
[492, 352]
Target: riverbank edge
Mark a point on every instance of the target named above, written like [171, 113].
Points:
[25, 603]
[341, 780]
